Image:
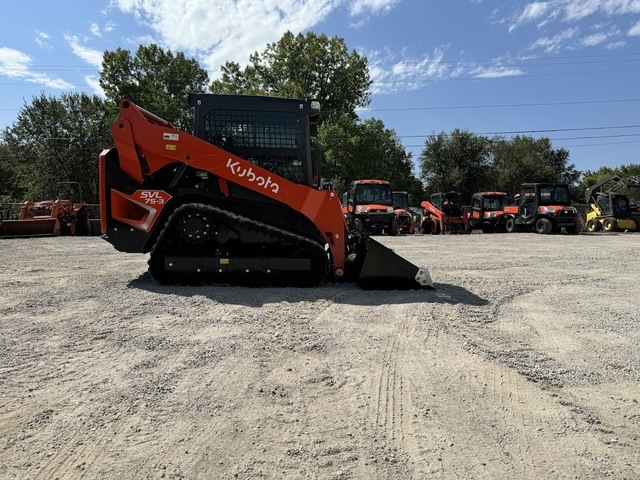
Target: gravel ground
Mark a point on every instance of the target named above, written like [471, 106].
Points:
[522, 363]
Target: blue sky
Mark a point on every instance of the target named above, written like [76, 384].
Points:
[565, 69]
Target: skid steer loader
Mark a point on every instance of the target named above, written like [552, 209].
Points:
[610, 210]
[234, 202]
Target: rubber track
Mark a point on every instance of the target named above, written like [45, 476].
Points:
[233, 219]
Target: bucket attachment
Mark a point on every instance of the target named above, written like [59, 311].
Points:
[383, 269]
[41, 227]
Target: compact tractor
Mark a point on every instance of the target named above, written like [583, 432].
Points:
[543, 208]
[443, 213]
[486, 212]
[235, 201]
[610, 210]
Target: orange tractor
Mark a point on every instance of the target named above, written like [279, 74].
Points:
[235, 202]
[49, 218]
[368, 207]
[443, 213]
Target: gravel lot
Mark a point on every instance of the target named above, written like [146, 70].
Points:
[523, 363]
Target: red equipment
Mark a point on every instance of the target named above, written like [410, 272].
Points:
[49, 218]
[235, 203]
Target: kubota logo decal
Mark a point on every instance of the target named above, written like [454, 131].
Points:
[241, 172]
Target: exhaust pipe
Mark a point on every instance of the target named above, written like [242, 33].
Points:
[380, 268]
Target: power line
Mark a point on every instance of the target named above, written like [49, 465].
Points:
[501, 105]
[550, 130]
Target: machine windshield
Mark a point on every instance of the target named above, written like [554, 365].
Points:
[400, 201]
[495, 202]
[374, 193]
[555, 194]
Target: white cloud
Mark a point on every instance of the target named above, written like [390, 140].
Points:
[555, 42]
[578, 9]
[391, 75]
[532, 12]
[95, 30]
[42, 39]
[94, 83]
[543, 12]
[15, 64]
[635, 30]
[216, 31]
[359, 7]
[496, 72]
[92, 57]
[595, 39]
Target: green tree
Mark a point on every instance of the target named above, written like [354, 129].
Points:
[9, 183]
[156, 80]
[58, 140]
[365, 150]
[523, 159]
[459, 161]
[303, 66]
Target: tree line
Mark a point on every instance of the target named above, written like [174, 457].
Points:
[58, 139]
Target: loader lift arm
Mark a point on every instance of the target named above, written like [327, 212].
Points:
[632, 181]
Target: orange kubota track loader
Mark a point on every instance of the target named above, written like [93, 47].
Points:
[234, 202]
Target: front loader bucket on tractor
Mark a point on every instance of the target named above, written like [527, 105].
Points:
[382, 269]
[41, 227]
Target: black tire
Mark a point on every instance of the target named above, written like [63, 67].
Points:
[593, 226]
[510, 225]
[67, 225]
[435, 228]
[358, 225]
[609, 225]
[487, 228]
[393, 227]
[544, 226]
[572, 230]
[83, 223]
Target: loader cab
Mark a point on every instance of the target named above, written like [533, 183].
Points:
[368, 207]
[614, 205]
[367, 193]
[450, 203]
[273, 133]
[401, 201]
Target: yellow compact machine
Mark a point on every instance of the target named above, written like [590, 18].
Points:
[609, 210]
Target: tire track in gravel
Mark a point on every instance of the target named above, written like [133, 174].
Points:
[425, 376]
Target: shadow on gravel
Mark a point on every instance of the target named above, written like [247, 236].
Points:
[335, 292]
